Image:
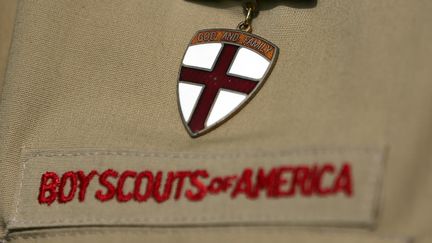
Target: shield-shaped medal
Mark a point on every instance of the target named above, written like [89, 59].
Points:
[221, 71]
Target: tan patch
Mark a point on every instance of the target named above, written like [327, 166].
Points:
[357, 209]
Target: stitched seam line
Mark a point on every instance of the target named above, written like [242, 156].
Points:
[210, 155]
[219, 231]
[18, 195]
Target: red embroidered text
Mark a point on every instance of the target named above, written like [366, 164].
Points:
[196, 185]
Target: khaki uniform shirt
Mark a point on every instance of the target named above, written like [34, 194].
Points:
[342, 124]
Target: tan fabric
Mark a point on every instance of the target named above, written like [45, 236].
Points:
[7, 18]
[102, 74]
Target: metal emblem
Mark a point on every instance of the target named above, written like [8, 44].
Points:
[221, 71]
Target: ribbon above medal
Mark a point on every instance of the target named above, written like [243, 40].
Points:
[221, 71]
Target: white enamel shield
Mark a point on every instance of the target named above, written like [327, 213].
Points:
[220, 72]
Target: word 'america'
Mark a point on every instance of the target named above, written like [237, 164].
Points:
[195, 185]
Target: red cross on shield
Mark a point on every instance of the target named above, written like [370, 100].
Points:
[220, 72]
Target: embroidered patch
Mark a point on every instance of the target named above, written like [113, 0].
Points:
[98, 187]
